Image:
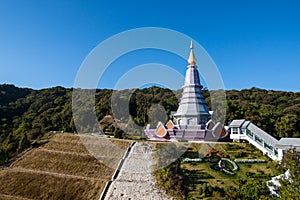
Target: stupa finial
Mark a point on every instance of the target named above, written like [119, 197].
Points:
[192, 60]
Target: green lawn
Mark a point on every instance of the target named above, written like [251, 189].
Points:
[198, 173]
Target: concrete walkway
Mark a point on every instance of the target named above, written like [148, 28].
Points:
[135, 180]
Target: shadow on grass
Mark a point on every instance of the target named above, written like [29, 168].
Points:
[195, 177]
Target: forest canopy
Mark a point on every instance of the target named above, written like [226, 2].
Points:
[27, 114]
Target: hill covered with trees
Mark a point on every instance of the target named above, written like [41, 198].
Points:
[26, 114]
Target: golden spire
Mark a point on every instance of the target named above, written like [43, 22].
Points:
[192, 60]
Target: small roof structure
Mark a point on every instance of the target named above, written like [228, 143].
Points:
[287, 143]
[245, 124]
[210, 124]
[161, 130]
[242, 123]
[262, 134]
[237, 123]
[219, 130]
[170, 124]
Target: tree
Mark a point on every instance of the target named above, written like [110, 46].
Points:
[254, 189]
[118, 133]
[24, 142]
[169, 175]
[3, 156]
[37, 111]
[290, 186]
[288, 125]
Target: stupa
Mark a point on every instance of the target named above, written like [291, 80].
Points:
[192, 121]
[192, 108]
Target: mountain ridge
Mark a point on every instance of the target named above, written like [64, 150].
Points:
[26, 114]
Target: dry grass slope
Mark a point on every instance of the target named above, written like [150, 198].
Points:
[62, 169]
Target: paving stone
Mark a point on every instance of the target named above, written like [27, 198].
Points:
[135, 180]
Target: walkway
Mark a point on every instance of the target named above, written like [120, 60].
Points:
[246, 130]
[135, 180]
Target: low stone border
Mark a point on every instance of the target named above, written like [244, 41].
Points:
[116, 173]
[250, 161]
[192, 160]
[105, 190]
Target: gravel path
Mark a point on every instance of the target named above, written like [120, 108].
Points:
[136, 180]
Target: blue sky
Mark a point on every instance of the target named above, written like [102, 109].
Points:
[253, 43]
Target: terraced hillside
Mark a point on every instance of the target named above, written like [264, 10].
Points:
[63, 168]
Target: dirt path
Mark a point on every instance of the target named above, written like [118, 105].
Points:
[19, 169]
[4, 196]
[65, 152]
